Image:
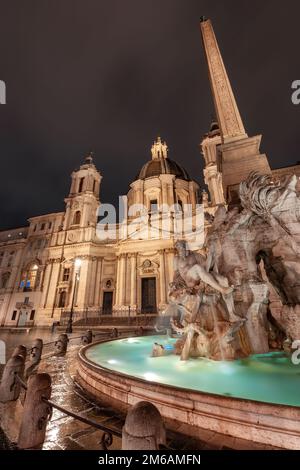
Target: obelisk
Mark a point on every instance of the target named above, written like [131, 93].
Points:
[239, 154]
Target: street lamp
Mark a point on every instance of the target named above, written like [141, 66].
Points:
[77, 266]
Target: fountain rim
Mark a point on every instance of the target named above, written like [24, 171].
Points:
[98, 367]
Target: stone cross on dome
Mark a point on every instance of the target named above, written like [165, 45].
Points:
[159, 149]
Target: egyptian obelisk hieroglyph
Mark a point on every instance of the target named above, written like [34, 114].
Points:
[239, 154]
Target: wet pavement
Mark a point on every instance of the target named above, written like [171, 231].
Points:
[67, 433]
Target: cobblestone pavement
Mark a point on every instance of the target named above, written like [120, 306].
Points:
[67, 433]
[64, 432]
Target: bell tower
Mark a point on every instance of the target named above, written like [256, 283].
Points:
[210, 146]
[238, 154]
[83, 199]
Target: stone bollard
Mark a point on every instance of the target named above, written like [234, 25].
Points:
[144, 428]
[87, 338]
[61, 344]
[34, 356]
[36, 412]
[20, 351]
[10, 387]
[114, 333]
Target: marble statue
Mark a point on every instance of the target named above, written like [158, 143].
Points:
[241, 295]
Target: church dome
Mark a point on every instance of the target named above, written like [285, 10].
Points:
[161, 164]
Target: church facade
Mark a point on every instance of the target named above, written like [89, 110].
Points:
[60, 263]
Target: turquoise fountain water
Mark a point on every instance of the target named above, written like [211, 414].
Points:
[270, 378]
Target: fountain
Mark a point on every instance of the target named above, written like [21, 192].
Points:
[235, 312]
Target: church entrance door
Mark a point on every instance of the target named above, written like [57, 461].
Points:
[107, 303]
[22, 318]
[149, 295]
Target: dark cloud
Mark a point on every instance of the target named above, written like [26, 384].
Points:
[110, 76]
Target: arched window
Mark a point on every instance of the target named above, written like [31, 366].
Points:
[4, 280]
[81, 181]
[76, 218]
[31, 277]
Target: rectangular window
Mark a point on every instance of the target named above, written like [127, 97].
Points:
[14, 315]
[26, 300]
[153, 205]
[66, 274]
[49, 225]
[42, 226]
[32, 313]
[62, 299]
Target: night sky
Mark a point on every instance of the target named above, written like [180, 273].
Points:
[109, 76]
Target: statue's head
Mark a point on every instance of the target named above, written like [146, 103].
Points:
[181, 247]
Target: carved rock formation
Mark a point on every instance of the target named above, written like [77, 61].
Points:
[256, 249]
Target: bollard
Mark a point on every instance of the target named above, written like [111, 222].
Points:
[34, 356]
[20, 351]
[36, 412]
[87, 338]
[114, 333]
[10, 387]
[144, 428]
[61, 344]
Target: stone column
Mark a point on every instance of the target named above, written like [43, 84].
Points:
[98, 282]
[162, 277]
[213, 179]
[192, 194]
[170, 195]
[50, 302]
[118, 282]
[170, 258]
[47, 280]
[73, 185]
[133, 280]
[82, 285]
[92, 282]
[164, 194]
[122, 279]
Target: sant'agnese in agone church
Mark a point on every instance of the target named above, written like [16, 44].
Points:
[58, 262]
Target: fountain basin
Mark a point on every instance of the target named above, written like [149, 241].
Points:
[256, 398]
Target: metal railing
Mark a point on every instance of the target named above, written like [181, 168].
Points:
[37, 404]
[101, 317]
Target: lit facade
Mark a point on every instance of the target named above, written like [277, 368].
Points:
[119, 275]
